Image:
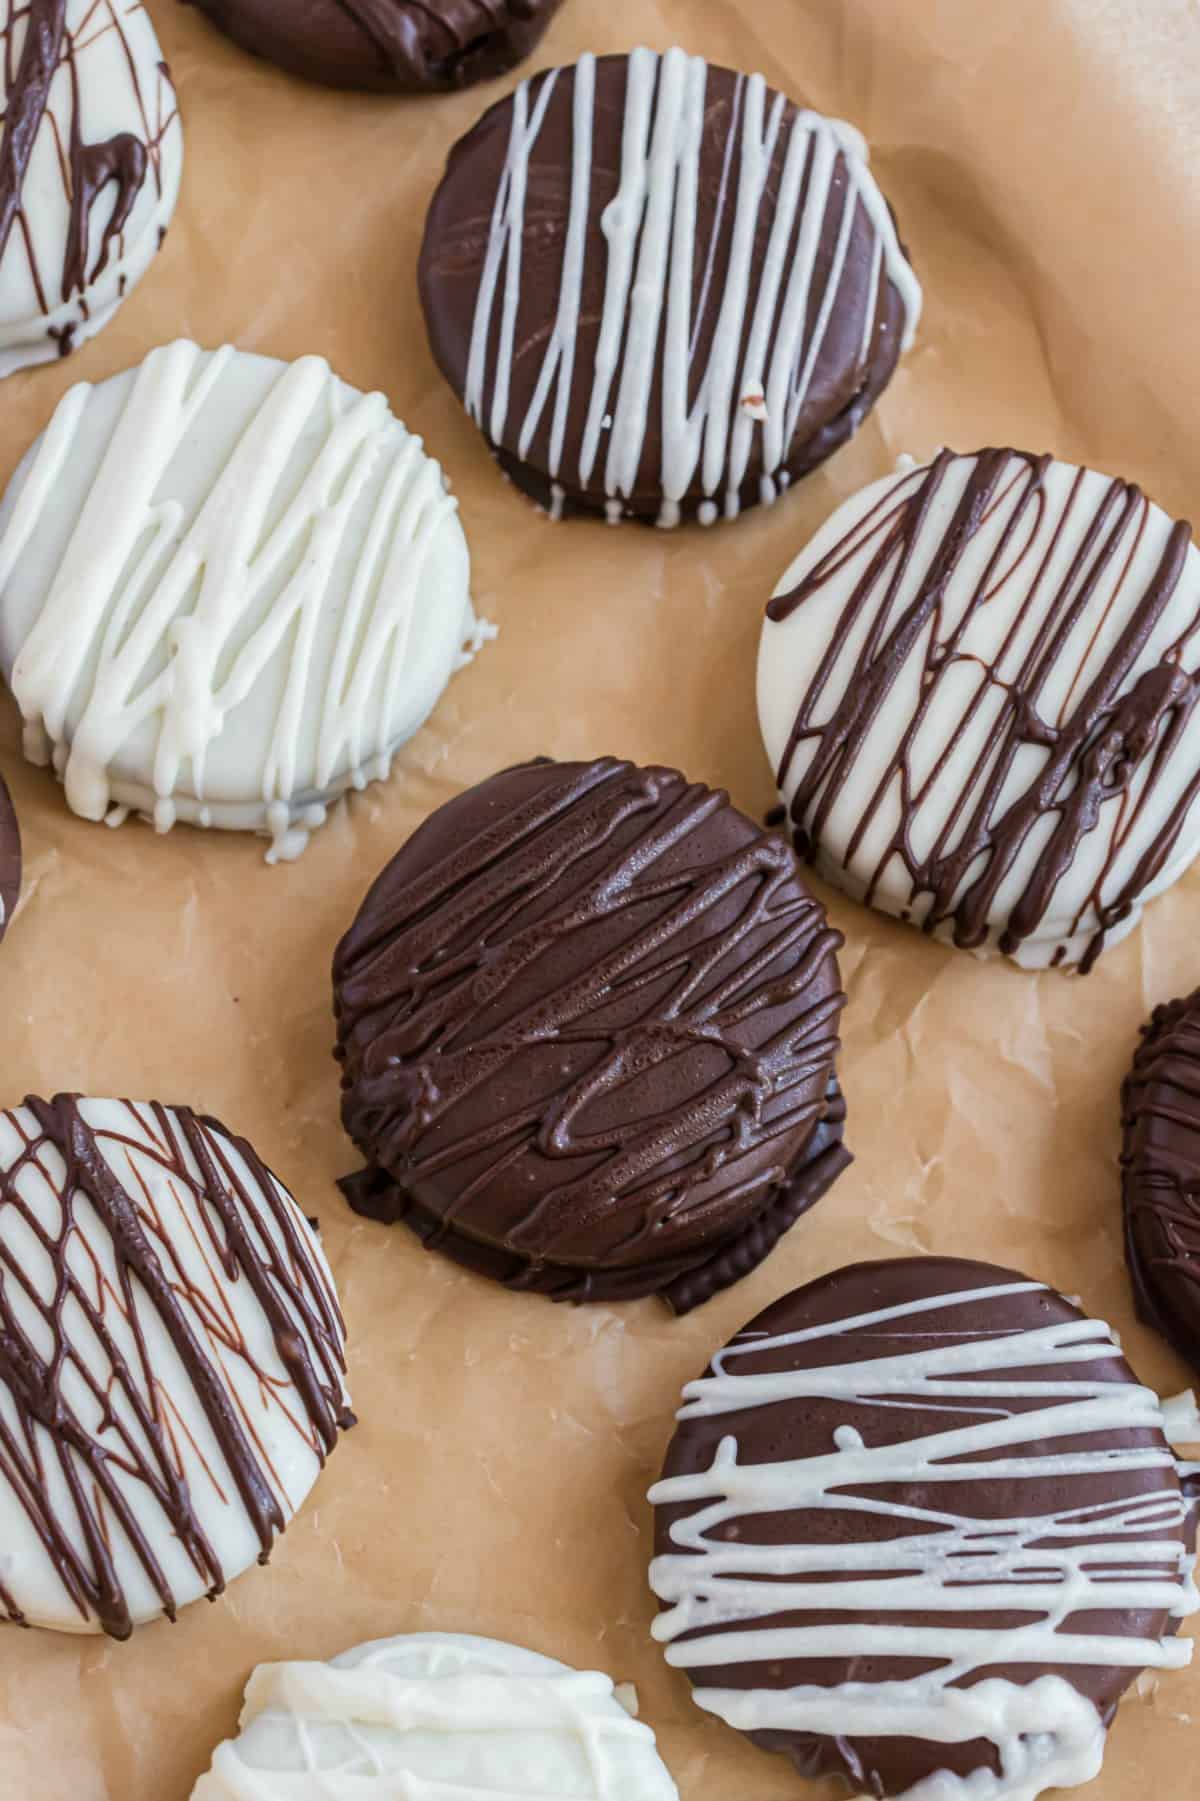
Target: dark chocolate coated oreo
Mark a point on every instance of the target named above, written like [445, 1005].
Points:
[587, 1019]
[10, 859]
[662, 290]
[1160, 1174]
[388, 46]
[896, 1504]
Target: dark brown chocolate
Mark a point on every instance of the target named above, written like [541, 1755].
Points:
[893, 1441]
[10, 859]
[43, 1385]
[588, 1020]
[551, 297]
[388, 46]
[1160, 1175]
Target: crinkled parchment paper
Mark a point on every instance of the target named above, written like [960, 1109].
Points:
[1042, 157]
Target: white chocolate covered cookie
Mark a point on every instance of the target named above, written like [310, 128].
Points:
[230, 588]
[977, 686]
[171, 1362]
[435, 1716]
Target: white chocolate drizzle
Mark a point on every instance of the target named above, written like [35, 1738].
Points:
[320, 550]
[1109, 1555]
[652, 311]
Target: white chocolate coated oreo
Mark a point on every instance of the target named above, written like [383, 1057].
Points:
[230, 589]
[439, 1716]
[171, 1362]
[977, 687]
[91, 155]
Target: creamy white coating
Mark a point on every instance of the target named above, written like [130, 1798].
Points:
[230, 589]
[228, 1323]
[110, 80]
[650, 230]
[1110, 1556]
[952, 690]
[435, 1717]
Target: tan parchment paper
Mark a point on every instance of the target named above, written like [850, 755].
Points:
[1042, 156]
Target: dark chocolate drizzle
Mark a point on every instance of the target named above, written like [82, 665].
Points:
[123, 161]
[588, 1019]
[1104, 738]
[50, 1437]
[1160, 1175]
[26, 101]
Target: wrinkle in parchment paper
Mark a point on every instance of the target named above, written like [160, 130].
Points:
[1041, 157]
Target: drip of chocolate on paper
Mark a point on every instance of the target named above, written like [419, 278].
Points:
[81, 1548]
[1101, 743]
[588, 1022]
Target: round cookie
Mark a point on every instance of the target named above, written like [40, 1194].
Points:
[920, 1525]
[661, 290]
[1160, 1165]
[587, 1019]
[976, 686]
[390, 46]
[171, 1362]
[444, 1713]
[230, 589]
[91, 154]
[10, 858]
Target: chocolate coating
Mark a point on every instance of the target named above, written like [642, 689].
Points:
[387, 46]
[588, 1021]
[121, 1349]
[539, 414]
[1007, 1501]
[10, 859]
[1160, 1168]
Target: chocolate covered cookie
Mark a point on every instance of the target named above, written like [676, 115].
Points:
[391, 46]
[1160, 1163]
[919, 1527]
[587, 1020]
[91, 155]
[435, 1715]
[977, 686]
[230, 589]
[10, 858]
[661, 290]
[172, 1369]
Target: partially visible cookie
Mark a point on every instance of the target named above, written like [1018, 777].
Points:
[172, 1367]
[919, 1527]
[1160, 1174]
[391, 46]
[436, 1714]
[10, 858]
[978, 689]
[91, 155]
